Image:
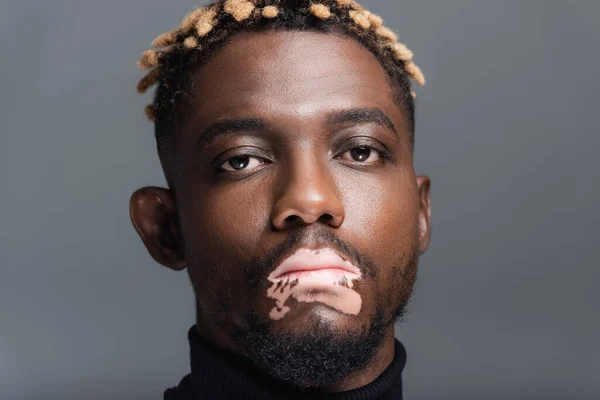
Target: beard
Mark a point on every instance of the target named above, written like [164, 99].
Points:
[324, 354]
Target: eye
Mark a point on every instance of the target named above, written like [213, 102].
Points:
[241, 163]
[363, 155]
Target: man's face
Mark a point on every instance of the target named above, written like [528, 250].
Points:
[295, 146]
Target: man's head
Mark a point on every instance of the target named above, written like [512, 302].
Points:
[285, 129]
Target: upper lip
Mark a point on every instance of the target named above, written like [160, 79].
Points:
[329, 258]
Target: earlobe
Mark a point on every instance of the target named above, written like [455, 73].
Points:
[154, 217]
[424, 186]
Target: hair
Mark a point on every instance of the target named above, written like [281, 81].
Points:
[179, 53]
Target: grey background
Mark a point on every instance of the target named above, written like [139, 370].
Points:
[506, 304]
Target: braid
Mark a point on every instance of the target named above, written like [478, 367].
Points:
[320, 11]
[270, 12]
[177, 54]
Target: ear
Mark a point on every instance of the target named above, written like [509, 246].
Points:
[424, 186]
[154, 216]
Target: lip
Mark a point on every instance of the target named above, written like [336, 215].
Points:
[305, 260]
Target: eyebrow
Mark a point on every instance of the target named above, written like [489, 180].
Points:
[353, 116]
[364, 116]
[226, 126]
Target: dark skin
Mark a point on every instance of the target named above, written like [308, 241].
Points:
[309, 117]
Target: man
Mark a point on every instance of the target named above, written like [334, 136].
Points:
[285, 131]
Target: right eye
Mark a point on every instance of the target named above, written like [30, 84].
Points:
[241, 163]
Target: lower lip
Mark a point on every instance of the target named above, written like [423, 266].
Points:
[329, 286]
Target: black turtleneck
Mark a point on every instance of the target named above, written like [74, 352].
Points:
[217, 375]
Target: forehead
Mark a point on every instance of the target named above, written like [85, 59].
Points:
[291, 74]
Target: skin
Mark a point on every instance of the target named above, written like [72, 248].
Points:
[304, 178]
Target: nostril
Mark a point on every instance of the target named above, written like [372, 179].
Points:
[292, 219]
[326, 218]
[296, 219]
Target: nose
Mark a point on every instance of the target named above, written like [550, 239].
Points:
[308, 195]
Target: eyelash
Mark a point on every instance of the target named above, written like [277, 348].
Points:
[384, 157]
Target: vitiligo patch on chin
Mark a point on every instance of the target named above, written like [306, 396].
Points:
[315, 276]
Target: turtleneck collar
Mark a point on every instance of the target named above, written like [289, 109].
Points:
[217, 375]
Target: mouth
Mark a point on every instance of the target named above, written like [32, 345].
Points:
[324, 263]
[310, 276]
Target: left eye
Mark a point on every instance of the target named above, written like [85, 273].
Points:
[365, 155]
[241, 163]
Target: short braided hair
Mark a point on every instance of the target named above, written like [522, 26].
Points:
[179, 53]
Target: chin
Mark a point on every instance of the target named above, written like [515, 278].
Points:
[313, 345]
[304, 318]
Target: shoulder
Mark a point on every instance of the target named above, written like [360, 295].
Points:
[183, 391]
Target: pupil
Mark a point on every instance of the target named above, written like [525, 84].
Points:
[360, 153]
[239, 162]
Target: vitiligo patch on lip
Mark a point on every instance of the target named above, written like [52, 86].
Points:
[315, 276]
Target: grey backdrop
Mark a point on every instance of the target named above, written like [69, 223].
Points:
[506, 304]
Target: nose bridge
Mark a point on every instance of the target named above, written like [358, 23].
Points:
[308, 193]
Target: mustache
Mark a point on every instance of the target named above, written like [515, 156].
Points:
[258, 268]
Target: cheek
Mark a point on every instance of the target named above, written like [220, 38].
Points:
[221, 229]
[383, 212]
[226, 222]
